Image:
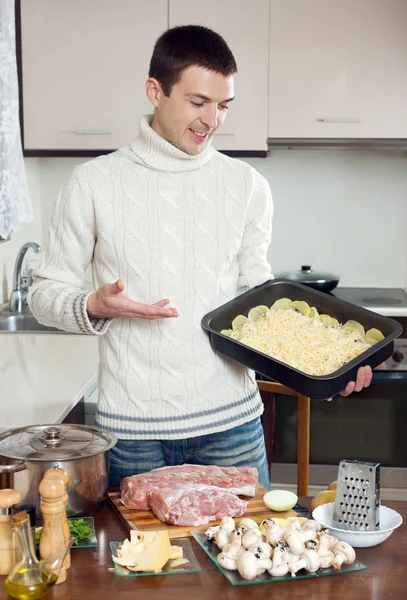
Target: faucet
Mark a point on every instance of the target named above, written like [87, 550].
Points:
[18, 296]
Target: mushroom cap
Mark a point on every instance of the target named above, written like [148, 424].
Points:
[247, 565]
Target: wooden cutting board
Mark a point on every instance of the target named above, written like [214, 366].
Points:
[145, 520]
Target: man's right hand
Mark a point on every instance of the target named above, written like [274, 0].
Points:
[109, 302]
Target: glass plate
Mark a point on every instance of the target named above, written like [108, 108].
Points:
[90, 542]
[191, 567]
[235, 579]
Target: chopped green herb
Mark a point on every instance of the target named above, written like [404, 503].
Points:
[80, 529]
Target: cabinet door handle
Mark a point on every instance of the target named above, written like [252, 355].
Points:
[340, 120]
[224, 133]
[92, 132]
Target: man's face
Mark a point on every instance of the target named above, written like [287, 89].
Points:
[194, 110]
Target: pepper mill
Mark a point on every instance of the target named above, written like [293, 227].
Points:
[8, 498]
[52, 509]
[58, 473]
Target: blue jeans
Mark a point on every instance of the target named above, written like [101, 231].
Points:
[241, 446]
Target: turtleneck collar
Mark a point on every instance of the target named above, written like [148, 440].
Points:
[156, 153]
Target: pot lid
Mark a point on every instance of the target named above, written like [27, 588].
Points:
[306, 273]
[55, 442]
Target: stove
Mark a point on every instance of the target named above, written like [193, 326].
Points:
[391, 302]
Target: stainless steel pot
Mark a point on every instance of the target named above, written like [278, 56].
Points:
[325, 282]
[82, 451]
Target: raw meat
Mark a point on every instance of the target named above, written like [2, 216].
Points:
[239, 480]
[194, 504]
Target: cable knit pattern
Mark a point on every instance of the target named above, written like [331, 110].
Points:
[194, 229]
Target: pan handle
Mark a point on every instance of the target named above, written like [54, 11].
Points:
[8, 469]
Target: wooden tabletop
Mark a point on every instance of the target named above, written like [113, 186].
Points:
[89, 577]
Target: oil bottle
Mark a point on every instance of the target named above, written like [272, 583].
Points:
[30, 579]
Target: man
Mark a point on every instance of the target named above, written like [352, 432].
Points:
[166, 218]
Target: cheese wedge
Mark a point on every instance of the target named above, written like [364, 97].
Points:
[155, 553]
[176, 552]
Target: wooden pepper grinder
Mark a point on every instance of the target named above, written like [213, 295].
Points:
[8, 498]
[58, 473]
[52, 509]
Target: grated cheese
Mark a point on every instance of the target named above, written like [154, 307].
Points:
[304, 343]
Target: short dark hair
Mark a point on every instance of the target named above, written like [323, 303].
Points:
[186, 46]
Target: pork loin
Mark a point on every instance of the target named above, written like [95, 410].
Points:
[194, 504]
[239, 480]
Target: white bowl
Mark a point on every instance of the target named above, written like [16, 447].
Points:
[389, 521]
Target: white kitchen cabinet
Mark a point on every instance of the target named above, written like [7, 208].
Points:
[338, 69]
[244, 26]
[84, 65]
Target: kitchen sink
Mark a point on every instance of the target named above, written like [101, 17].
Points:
[24, 322]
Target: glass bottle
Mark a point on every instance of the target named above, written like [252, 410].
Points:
[31, 578]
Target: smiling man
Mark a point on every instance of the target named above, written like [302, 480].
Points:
[166, 218]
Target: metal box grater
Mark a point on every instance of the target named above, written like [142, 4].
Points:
[357, 497]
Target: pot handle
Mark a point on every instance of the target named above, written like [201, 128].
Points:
[8, 469]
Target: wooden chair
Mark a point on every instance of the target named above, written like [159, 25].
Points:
[303, 430]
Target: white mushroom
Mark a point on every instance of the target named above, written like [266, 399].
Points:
[227, 562]
[234, 548]
[272, 531]
[247, 565]
[248, 523]
[227, 523]
[309, 561]
[263, 565]
[261, 550]
[223, 538]
[280, 562]
[343, 553]
[250, 537]
[296, 539]
[211, 533]
[325, 554]
[250, 567]
[311, 524]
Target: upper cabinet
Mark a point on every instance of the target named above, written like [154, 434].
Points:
[84, 66]
[244, 26]
[338, 69]
[85, 63]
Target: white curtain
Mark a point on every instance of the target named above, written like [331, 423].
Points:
[15, 204]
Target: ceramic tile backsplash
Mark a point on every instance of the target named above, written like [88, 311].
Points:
[340, 211]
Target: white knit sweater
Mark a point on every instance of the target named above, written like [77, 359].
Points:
[194, 229]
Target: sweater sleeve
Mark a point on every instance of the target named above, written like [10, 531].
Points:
[254, 268]
[57, 297]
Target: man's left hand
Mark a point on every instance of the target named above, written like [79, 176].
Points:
[363, 380]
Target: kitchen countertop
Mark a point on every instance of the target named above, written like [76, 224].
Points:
[43, 376]
[89, 576]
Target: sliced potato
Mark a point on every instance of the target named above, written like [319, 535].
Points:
[263, 308]
[375, 334]
[370, 340]
[283, 303]
[302, 307]
[325, 319]
[334, 322]
[354, 326]
[239, 321]
[313, 313]
[254, 314]
[226, 332]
